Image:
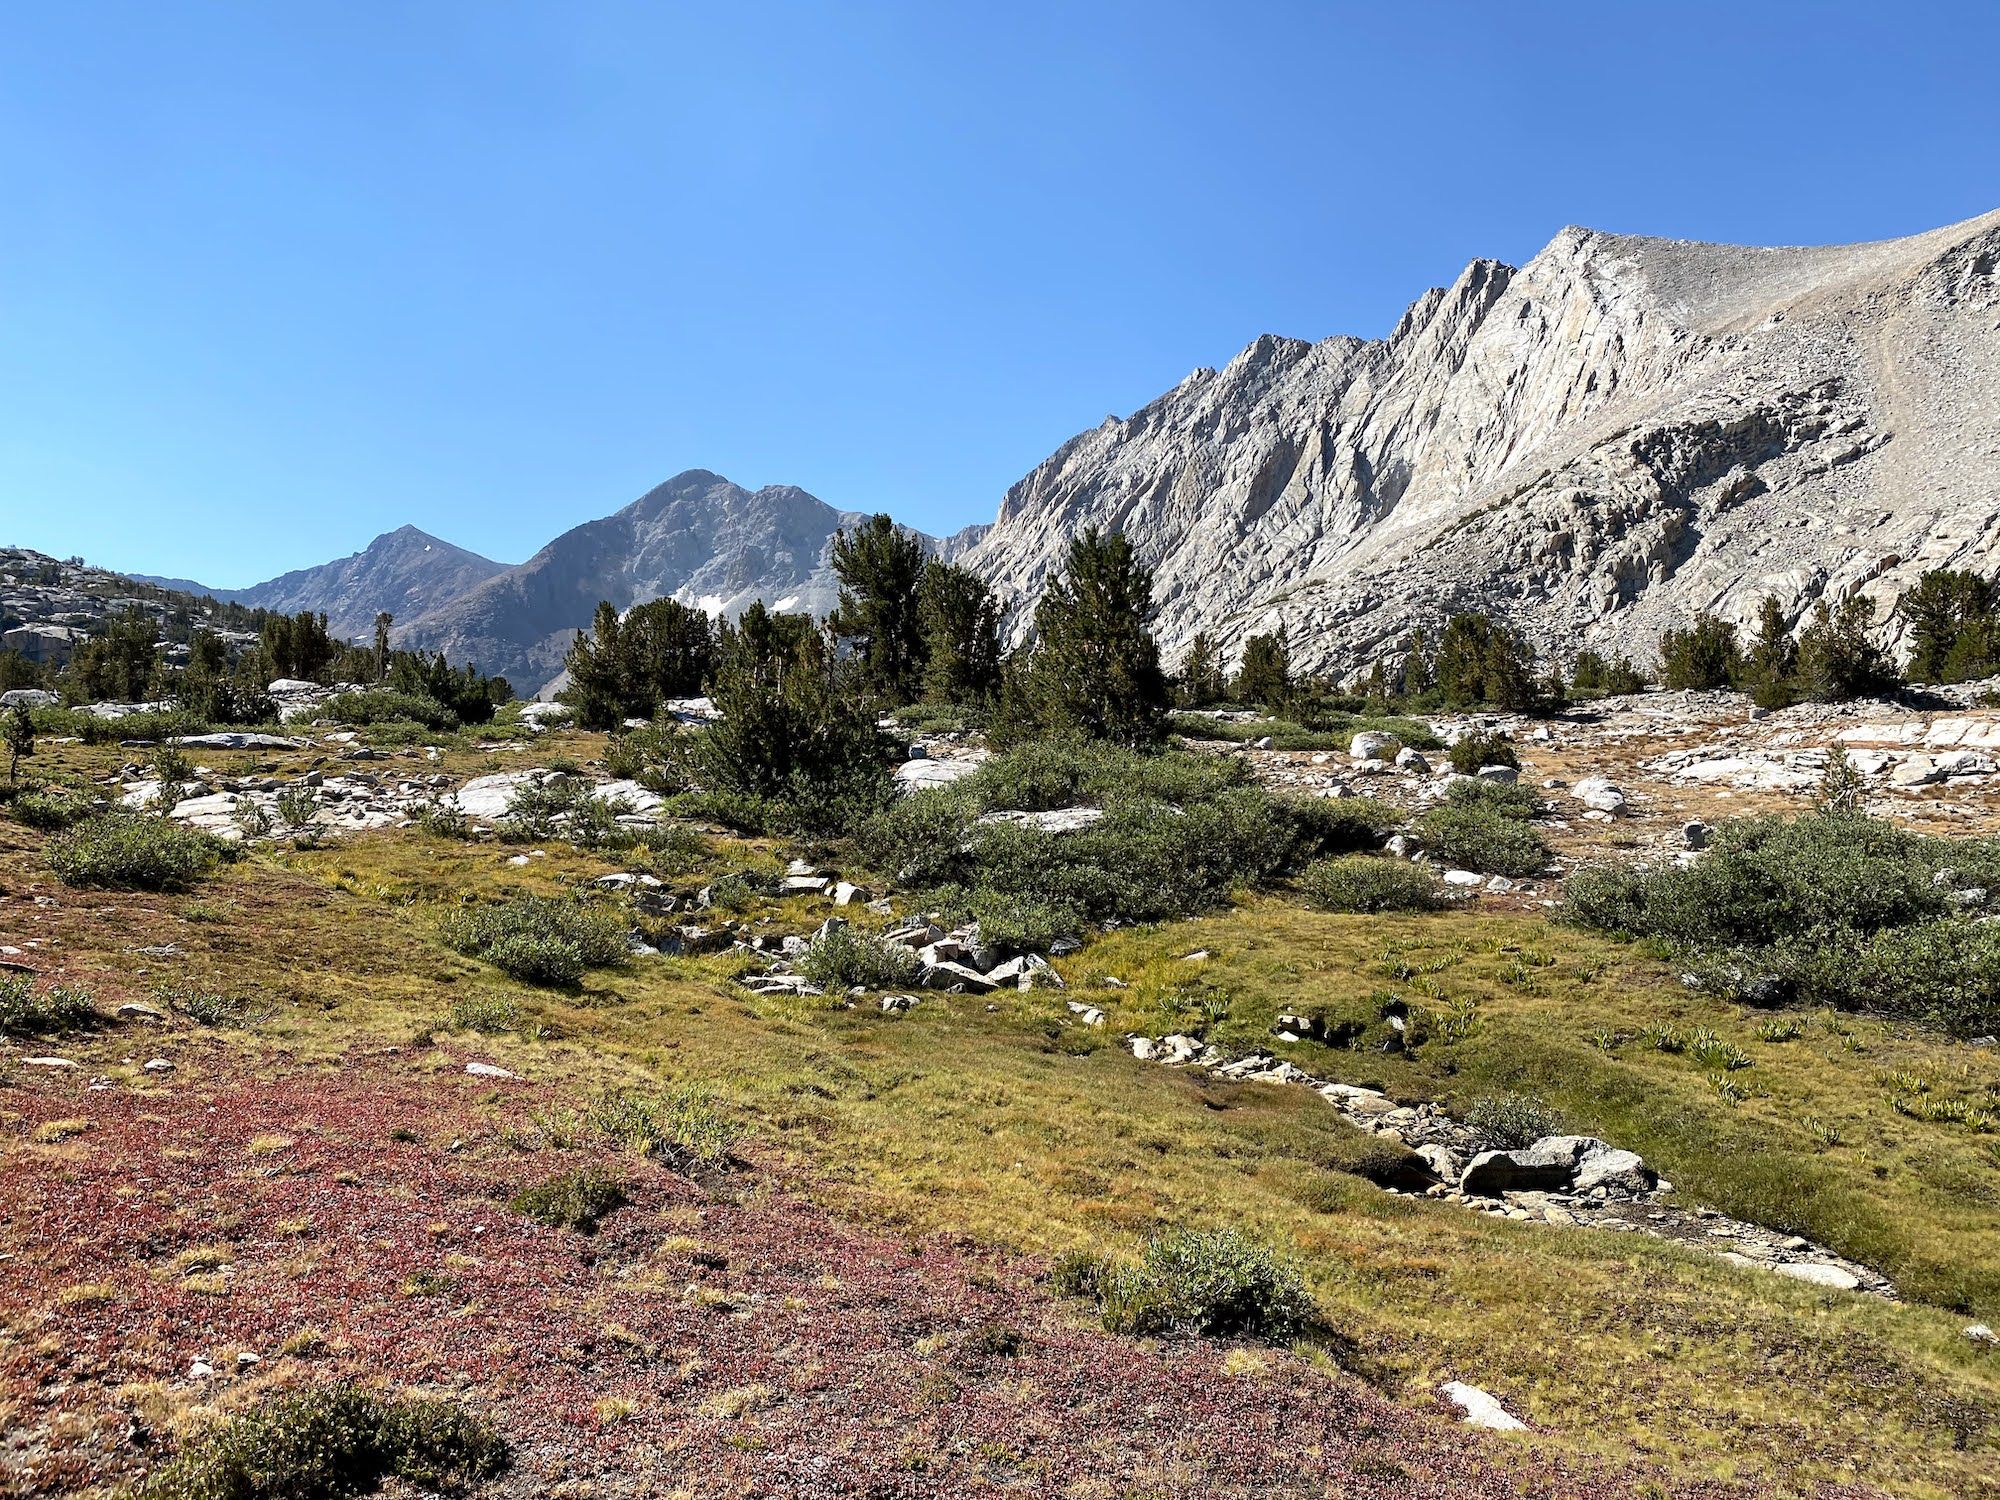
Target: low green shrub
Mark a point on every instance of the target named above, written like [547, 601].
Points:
[203, 1007]
[52, 809]
[27, 1011]
[489, 1014]
[156, 726]
[841, 958]
[1484, 826]
[566, 806]
[539, 939]
[1482, 748]
[1361, 883]
[126, 851]
[1833, 908]
[1511, 1121]
[577, 1200]
[1212, 1283]
[1177, 832]
[385, 706]
[332, 1443]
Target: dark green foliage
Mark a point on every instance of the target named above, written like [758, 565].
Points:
[1835, 908]
[1482, 747]
[539, 939]
[215, 698]
[389, 706]
[1215, 1284]
[17, 733]
[117, 665]
[92, 730]
[1837, 661]
[1361, 883]
[125, 851]
[1954, 627]
[27, 1011]
[1266, 673]
[1770, 669]
[17, 671]
[467, 694]
[566, 807]
[1484, 826]
[841, 958]
[795, 738]
[576, 1201]
[1178, 831]
[298, 646]
[1480, 661]
[1702, 656]
[1511, 1121]
[1596, 675]
[1078, 1273]
[623, 668]
[881, 567]
[332, 1443]
[1094, 669]
[52, 808]
[959, 619]
[1200, 682]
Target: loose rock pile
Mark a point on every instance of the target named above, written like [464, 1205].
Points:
[1568, 1179]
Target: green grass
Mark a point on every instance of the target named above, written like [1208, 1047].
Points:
[1019, 1129]
[1333, 732]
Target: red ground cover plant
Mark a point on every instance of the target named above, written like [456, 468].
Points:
[715, 1338]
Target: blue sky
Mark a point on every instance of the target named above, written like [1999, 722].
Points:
[276, 278]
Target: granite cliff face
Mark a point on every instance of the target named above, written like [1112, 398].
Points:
[1594, 446]
[697, 538]
[404, 572]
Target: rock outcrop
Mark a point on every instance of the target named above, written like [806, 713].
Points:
[1594, 446]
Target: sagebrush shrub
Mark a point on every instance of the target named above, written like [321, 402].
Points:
[124, 851]
[1511, 1121]
[1364, 883]
[331, 1443]
[577, 1200]
[841, 958]
[1213, 1283]
[539, 939]
[51, 809]
[385, 706]
[26, 1011]
[1482, 748]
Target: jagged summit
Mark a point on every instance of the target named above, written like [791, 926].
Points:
[1595, 445]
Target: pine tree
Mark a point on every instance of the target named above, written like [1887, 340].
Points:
[1951, 617]
[1480, 661]
[623, 667]
[1703, 656]
[1266, 675]
[959, 621]
[1772, 664]
[880, 567]
[1095, 666]
[1200, 681]
[1837, 660]
[382, 623]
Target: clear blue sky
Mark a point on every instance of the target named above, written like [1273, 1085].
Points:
[277, 277]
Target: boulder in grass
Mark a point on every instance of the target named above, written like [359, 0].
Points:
[1372, 744]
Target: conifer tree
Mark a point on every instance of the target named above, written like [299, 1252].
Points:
[880, 567]
[1200, 681]
[959, 621]
[1266, 673]
[1095, 666]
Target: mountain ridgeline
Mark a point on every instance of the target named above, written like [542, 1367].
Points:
[1593, 448]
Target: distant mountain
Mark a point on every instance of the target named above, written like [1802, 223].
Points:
[1594, 447]
[405, 572]
[697, 538]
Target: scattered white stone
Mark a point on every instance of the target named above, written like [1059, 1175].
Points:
[488, 1070]
[1819, 1274]
[1480, 1409]
[47, 1062]
[158, 1065]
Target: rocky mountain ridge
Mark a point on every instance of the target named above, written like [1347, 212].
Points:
[404, 572]
[1594, 446]
[698, 538]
